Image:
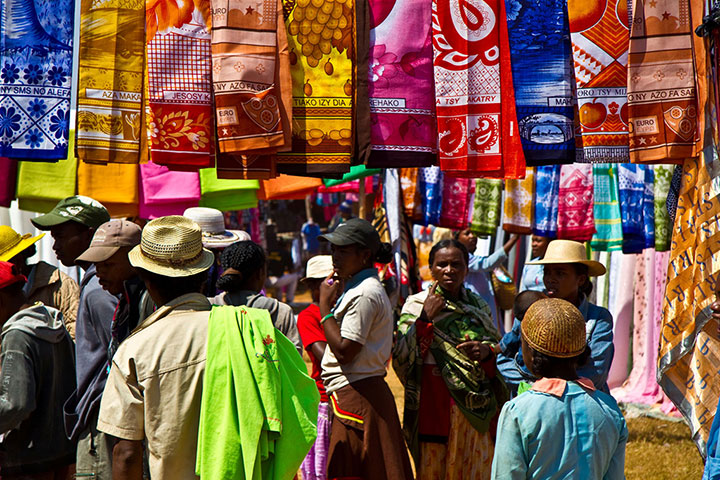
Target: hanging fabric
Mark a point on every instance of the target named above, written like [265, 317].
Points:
[288, 187]
[486, 206]
[402, 100]
[110, 82]
[8, 171]
[547, 185]
[543, 77]
[165, 192]
[245, 167]
[631, 180]
[226, 195]
[518, 206]
[456, 195]
[35, 78]
[114, 185]
[412, 198]
[600, 37]
[606, 209]
[431, 181]
[663, 227]
[662, 102]
[575, 203]
[320, 39]
[649, 208]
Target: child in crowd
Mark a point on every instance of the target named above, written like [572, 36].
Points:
[313, 340]
[562, 427]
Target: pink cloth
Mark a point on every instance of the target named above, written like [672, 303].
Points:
[352, 186]
[8, 174]
[620, 304]
[167, 192]
[575, 206]
[456, 202]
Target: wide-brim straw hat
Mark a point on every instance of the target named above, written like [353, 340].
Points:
[172, 246]
[554, 327]
[570, 251]
[12, 243]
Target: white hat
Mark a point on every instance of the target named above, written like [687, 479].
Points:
[212, 224]
[319, 266]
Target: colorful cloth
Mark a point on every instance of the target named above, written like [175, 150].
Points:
[288, 187]
[8, 171]
[600, 36]
[431, 181]
[179, 112]
[314, 467]
[636, 207]
[663, 227]
[486, 208]
[649, 208]
[662, 101]
[165, 192]
[575, 204]
[110, 81]
[226, 194]
[606, 209]
[456, 198]
[547, 185]
[35, 78]
[411, 195]
[543, 78]
[518, 208]
[402, 100]
[114, 185]
[323, 77]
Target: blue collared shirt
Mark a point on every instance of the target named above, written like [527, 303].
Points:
[532, 277]
[478, 278]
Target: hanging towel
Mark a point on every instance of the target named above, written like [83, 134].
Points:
[547, 185]
[179, 113]
[35, 76]
[431, 180]
[456, 198]
[518, 208]
[114, 185]
[258, 412]
[486, 208]
[246, 167]
[649, 207]
[412, 197]
[8, 174]
[631, 179]
[575, 203]
[165, 192]
[663, 227]
[41, 185]
[323, 79]
[609, 235]
[662, 102]
[226, 195]
[402, 96]
[600, 37]
[543, 77]
[110, 81]
[288, 187]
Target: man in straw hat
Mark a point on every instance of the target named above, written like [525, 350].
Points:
[154, 388]
[46, 283]
[562, 427]
[566, 275]
[72, 224]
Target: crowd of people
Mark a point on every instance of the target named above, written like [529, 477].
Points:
[143, 370]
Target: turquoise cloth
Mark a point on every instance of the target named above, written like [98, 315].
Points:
[608, 223]
[581, 435]
[259, 407]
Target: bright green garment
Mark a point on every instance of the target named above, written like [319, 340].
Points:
[663, 228]
[356, 172]
[226, 194]
[486, 208]
[259, 407]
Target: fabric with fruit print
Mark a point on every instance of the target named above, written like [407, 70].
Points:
[179, 114]
[320, 39]
[599, 33]
[35, 77]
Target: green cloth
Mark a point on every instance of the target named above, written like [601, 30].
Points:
[608, 223]
[357, 171]
[226, 195]
[663, 228]
[478, 396]
[41, 185]
[486, 209]
[523, 387]
[259, 407]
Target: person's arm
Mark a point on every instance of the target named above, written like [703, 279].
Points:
[601, 351]
[495, 259]
[318, 350]
[509, 459]
[17, 381]
[127, 457]
[68, 299]
[616, 470]
[344, 349]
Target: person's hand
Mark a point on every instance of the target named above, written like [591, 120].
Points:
[330, 290]
[434, 303]
[476, 351]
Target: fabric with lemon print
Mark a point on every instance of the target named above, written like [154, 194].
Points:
[320, 38]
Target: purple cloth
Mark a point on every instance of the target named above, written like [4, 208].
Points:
[8, 171]
[314, 467]
[167, 192]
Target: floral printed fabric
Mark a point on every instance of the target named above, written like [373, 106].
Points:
[35, 68]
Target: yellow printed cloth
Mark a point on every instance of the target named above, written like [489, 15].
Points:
[321, 38]
[110, 80]
[518, 209]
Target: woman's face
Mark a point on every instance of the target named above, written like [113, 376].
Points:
[349, 259]
[539, 245]
[449, 269]
[562, 281]
[468, 238]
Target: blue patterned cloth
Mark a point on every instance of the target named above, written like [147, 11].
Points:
[649, 207]
[431, 191]
[543, 78]
[636, 206]
[35, 67]
[547, 186]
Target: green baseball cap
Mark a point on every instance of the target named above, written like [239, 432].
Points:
[80, 209]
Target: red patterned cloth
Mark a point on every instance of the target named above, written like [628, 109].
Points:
[575, 207]
[456, 202]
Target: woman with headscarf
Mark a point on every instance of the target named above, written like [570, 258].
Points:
[445, 356]
[365, 436]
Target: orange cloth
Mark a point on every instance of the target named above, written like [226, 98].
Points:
[115, 185]
[288, 187]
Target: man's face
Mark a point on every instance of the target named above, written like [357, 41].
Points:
[468, 238]
[71, 239]
[114, 271]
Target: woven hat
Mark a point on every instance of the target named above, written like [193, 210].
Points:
[84, 210]
[172, 247]
[212, 224]
[554, 327]
[12, 243]
[569, 251]
[319, 266]
[109, 238]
